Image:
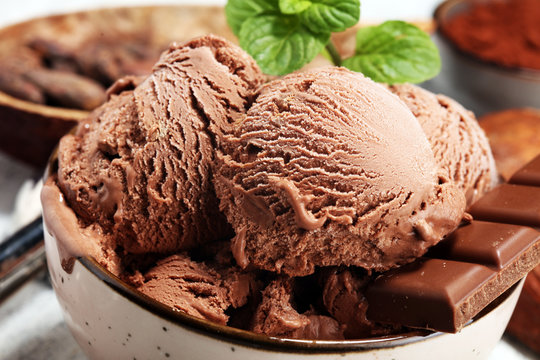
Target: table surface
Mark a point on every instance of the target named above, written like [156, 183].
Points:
[31, 322]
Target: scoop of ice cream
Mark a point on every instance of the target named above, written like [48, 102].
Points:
[196, 288]
[460, 146]
[140, 166]
[276, 316]
[343, 297]
[330, 168]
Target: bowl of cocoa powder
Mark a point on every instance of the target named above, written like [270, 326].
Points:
[54, 70]
[490, 51]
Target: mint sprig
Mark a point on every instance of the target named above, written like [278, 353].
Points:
[395, 52]
[331, 15]
[238, 11]
[284, 35]
[280, 44]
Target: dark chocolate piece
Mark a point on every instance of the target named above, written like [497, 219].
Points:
[510, 204]
[467, 271]
[529, 174]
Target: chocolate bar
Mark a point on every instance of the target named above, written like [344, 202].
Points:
[465, 272]
[528, 175]
[510, 204]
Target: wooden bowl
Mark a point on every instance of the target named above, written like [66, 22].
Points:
[29, 131]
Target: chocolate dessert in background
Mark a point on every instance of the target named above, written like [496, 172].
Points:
[55, 73]
[513, 136]
[86, 51]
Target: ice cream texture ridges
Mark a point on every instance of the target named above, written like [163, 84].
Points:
[329, 168]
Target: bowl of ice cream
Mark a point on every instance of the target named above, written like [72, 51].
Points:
[206, 212]
[490, 54]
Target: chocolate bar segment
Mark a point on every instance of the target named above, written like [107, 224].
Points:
[510, 204]
[529, 174]
[429, 293]
[466, 272]
[494, 245]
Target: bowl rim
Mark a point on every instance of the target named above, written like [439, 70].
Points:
[245, 337]
[254, 340]
[439, 17]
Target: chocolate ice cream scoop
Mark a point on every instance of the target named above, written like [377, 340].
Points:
[140, 165]
[343, 297]
[460, 146]
[276, 316]
[196, 288]
[330, 168]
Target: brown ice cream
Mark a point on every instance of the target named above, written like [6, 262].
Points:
[207, 192]
[276, 316]
[343, 297]
[329, 168]
[140, 166]
[196, 288]
[460, 146]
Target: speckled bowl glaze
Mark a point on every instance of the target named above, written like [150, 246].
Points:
[111, 320]
[478, 85]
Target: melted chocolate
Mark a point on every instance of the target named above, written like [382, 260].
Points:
[304, 218]
[238, 248]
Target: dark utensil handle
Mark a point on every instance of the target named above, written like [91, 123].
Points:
[22, 255]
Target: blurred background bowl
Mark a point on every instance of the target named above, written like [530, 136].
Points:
[478, 85]
[29, 131]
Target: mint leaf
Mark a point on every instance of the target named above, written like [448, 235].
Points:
[238, 11]
[331, 15]
[293, 6]
[395, 52]
[280, 43]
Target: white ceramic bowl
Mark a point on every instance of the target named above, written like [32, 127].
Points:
[111, 320]
[478, 85]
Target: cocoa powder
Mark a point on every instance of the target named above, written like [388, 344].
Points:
[503, 32]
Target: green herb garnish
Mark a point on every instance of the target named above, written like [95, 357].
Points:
[395, 52]
[284, 35]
